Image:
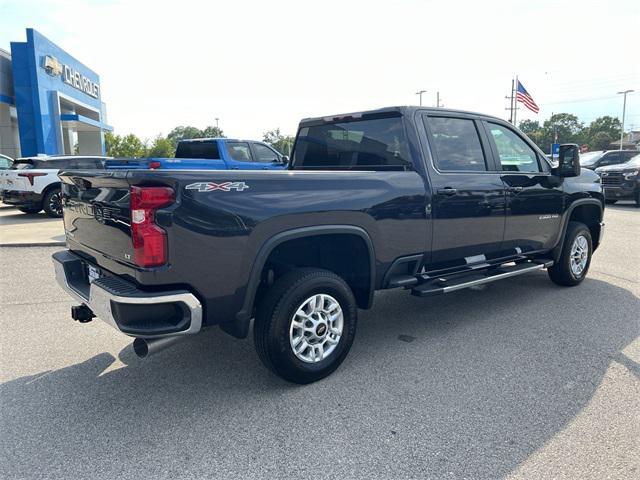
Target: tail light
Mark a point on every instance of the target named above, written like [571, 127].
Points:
[149, 240]
[154, 164]
[31, 175]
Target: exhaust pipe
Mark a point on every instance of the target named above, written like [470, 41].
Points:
[148, 346]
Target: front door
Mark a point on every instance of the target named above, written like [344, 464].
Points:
[534, 195]
[240, 156]
[468, 200]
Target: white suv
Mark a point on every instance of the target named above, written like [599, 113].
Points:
[32, 184]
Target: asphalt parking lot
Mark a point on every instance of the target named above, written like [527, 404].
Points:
[522, 379]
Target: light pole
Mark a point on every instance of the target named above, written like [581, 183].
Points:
[624, 108]
[217, 126]
[420, 94]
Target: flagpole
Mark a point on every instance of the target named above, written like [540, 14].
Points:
[515, 102]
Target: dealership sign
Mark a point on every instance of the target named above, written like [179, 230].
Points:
[70, 76]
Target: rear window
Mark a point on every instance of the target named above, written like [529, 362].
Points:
[206, 150]
[372, 144]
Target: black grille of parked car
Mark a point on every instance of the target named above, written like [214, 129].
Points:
[611, 179]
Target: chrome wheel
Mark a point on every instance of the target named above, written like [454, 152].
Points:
[316, 328]
[579, 255]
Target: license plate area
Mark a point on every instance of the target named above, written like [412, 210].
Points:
[93, 273]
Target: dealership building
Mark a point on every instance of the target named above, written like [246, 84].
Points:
[50, 103]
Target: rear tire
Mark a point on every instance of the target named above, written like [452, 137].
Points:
[30, 210]
[305, 325]
[573, 264]
[52, 203]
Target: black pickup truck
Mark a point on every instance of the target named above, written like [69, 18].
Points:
[429, 200]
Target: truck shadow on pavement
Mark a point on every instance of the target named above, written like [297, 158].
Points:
[464, 385]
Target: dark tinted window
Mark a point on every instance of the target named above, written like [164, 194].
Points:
[84, 163]
[515, 155]
[207, 150]
[457, 144]
[612, 159]
[376, 144]
[264, 153]
[239, 151]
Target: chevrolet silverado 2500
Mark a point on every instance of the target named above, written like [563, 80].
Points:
[429, 200]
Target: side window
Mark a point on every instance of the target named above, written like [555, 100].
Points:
[515, 155]
[611, 159]
[84, 163]
[239, 151]
[264, 153]
[457, 144]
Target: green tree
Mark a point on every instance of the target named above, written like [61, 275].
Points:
[282, 143]
[161, 147]
[182, 133]
[213, 132]
[529, 126]
[601, 129]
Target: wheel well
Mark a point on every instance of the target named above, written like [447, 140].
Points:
[590, 215]
[346, 255]
[50, 187]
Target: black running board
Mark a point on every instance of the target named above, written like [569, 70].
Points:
[437, 286]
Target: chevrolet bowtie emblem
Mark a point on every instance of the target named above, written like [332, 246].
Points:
[52, 66]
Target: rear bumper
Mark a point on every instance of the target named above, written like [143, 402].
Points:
[125, 307]
[20, 198]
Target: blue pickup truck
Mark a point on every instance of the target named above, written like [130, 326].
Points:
[210, 154]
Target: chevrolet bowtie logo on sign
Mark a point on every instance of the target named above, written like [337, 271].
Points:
[52, 66]
[70, 76]
[224, 187]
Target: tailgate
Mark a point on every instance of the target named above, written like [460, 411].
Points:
[97, 212]
[9, 180]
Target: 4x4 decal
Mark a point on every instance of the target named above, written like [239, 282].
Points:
[210, 186]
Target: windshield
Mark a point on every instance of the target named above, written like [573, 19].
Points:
[590, 158]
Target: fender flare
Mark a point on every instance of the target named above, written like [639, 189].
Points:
[245, 314]
[557, 250]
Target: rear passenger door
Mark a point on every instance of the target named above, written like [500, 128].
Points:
[534, 196]
[468, 200]
[240, 156]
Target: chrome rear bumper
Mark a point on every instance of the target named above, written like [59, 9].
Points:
[122, 305]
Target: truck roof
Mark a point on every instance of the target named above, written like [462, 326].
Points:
[402, 109]
[212, 139]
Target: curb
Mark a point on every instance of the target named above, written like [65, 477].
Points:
[34, 244]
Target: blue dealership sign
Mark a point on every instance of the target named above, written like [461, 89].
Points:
[555, 149]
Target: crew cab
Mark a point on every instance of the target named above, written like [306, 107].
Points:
[427, 200]
[32, 183]
[211, 154]
[622, 181]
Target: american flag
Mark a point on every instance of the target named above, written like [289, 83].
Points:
[523, 96]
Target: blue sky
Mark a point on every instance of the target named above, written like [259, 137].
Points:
[261, 65]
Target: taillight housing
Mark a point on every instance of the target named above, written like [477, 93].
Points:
[149, 240]
[31, 175]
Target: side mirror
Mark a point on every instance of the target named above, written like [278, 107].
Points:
[285, 160]
[569, 160]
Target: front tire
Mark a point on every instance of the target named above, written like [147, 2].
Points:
[305, 325]
[573, 264]
[52, 203]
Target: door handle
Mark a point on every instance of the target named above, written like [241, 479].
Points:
[447, 191]
[235, 168]
[515, 189]
[265, 168]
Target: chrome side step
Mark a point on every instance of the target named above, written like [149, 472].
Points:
[437, 286]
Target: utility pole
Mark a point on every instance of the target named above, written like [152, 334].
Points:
[515, 102]
[438, 100]
[420, 94]
[510, 97]
[624, 108]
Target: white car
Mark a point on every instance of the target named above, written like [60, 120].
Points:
[32, 183]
